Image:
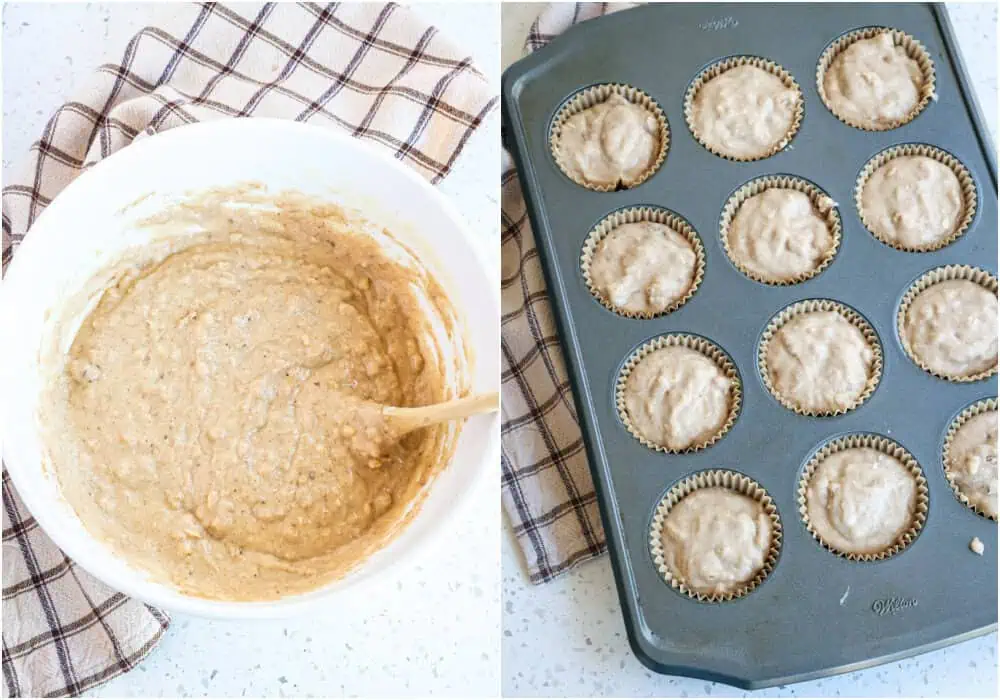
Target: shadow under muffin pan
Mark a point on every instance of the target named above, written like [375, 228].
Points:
[816, 614]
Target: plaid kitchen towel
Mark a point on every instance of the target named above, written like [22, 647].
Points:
[375, 70]
[547, 490]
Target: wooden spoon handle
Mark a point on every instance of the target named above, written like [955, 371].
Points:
[410, 418]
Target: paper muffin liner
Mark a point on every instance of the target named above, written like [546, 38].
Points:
[714, 478]
[965, 182]
[914, 49]
[964, 417]
[929, 279]
[709, 350]
[635, 215]
[720, 67]
[886, 446]
[822, 203]
[810, 306]
[595, 95]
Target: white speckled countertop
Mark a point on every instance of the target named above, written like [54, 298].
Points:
[567, 638]
[436, 630]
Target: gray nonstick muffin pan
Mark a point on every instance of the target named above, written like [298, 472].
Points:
[816, 614]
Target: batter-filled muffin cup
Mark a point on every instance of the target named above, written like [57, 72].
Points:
[820, 358]
[678, 393]
[947, 323]
[609, 137]
[875, 78]
[643, 262]
[780, 230]
[915, 198]
[970, 457]
[863, 497]
[715, 536]
[743, 108]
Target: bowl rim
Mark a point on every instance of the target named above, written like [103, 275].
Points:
[163, 595]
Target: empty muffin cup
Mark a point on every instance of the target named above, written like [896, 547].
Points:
[729, 559]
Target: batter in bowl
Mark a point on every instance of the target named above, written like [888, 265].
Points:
[744, 113]
[873, 83]
[611, 143]
[677, 398]
[972, 461]
[860, 500]
[715, 540]
[913, 202]
[209, 420]
[951, 328]
[643, 267]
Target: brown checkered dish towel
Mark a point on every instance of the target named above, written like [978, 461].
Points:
[376, 70]
[548, 492]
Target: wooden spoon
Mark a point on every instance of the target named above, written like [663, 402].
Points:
[404, 420]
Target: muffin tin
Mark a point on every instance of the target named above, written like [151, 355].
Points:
[815, 614]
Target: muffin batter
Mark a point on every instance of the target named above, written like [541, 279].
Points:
[744, 112]
[913, 202]
[972, 461]
[860, 500]
[643, 267]
[873, 83]
[820, 362]
[612, 143]
[716, 540]
[677, 398]
[209, 419]
[951, 327]
[779, 235]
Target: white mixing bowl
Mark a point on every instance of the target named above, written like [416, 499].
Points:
[82, 229]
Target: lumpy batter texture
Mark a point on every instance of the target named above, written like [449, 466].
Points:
[873, 82]
[951, 327]
[716, 540]
[913, 202]
[820, 362]
[611, 143]
[779, 235]
[972, 461]
[744, 112]
[677, 398]
[860, 500]
[643, 267]
[211, 419]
